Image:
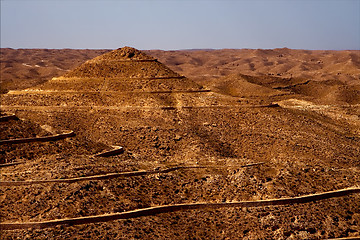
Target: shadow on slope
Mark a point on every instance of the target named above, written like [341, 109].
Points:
[331, 91]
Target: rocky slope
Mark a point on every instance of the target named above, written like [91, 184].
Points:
[302, 146]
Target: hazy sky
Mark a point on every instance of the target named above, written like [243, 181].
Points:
[182, 24]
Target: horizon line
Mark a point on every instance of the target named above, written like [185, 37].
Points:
[183, 49]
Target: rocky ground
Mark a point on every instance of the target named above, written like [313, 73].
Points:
[301, 124]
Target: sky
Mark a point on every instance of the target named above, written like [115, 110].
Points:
[181, 24]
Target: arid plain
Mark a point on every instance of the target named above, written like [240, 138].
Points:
[234, 144]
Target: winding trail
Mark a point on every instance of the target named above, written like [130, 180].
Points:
[15, 92]
[292, 86]
[87, 108]
[115, 78]
[179, 207]
[110, 175]
[127, 61]
[38, 139]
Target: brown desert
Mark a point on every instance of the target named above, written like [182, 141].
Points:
[188, 144]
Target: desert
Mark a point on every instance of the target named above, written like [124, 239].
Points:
[186, 144]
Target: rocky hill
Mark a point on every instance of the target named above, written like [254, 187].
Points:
[252, 156]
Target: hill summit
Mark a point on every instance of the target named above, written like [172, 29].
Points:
[125, 54]
[126, 62]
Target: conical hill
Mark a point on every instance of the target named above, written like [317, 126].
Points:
[124, 62]
[125, 54]
[123, 77]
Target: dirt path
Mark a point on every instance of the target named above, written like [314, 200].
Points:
[9, 164]
[110, 175]
[180, 207]
[86, 108]
[38, 139]
[100, 91]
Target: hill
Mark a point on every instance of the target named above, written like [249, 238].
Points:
[247, 138]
